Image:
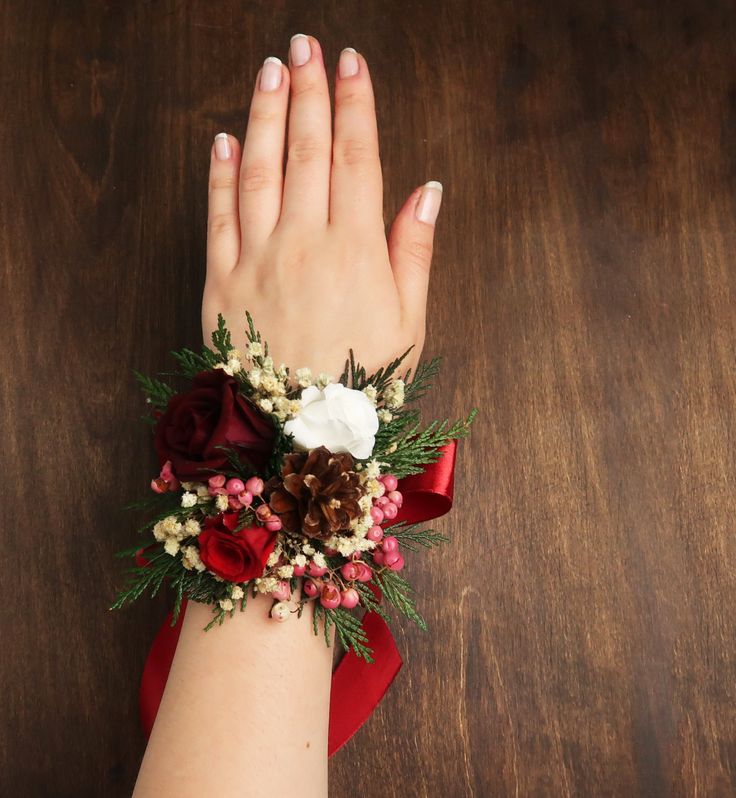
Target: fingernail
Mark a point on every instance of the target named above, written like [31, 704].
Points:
[347, 66]
[222, 147]
[301, 50]
[429, 202]
[270, 74]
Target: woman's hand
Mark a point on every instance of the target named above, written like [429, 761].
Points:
[304, 248]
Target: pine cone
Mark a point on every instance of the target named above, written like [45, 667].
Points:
[317, 493]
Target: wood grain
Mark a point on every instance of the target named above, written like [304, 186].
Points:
[583, 296]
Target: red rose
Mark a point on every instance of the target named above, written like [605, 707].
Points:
[212, 414]
[235, 556]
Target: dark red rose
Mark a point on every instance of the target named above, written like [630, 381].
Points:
[212, 414]
[235, 556]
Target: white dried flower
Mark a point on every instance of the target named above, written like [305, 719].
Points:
[308, 549]
[237, 593]
[273, 557]
[234, 364]
[226, 604]
[159, 532]
[267, 585]
[255, 349]
[171, 546]
[266, 405]
[268, 363]
[234, 354]
[365, 502]
[192, 527]
[188, 499]
[384, 415]
[393, 395]
[304, 377]
[371, 392]
[372, 469]
[191, 559]
[323, 380]
[286, 571]
[300, 560]
[319, 560]
[221, 502]
[254, 377]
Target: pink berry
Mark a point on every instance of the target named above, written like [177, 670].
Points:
[378, 557]
[245, 498]
[330, 552]
[390, 482]
[390, 511]
[349, 598]
[234, 486]
[350, 571]
[382, 501]
[217, 481]
[396, 497]
[330, 598]
[233, 503]
[255, 486]
[376, 514]
[300, 570]
[159, 486]
[282, 592]
[390, 544]
[273, 524]
[375, 533]
[315, 570]
[310, 588]
[398, 563]
[263, 512]
[390, 558]
[365, 574]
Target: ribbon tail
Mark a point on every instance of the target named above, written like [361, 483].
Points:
[359, 686]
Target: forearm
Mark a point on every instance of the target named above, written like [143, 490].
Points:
[246, 706]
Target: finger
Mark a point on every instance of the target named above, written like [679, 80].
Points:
[261, 172]
[223, 228]
[410, 244]
[356, 188]
[307, 181]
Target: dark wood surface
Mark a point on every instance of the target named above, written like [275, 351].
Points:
[583, 295]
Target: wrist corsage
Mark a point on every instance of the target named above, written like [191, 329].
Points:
[287, 484]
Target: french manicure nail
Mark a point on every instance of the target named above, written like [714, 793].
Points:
[347, 66]
[270, 74]
[222, 147]
[301, 50]
[429, 202]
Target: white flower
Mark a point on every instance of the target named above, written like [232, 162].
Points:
[304, 377]
[234, 365]
[266, 405]
[171, 546]
[323, 380]
[308, 549]
[385, 415]
[340, 418]
[191, 559]
[188, 499]
[221, 502]
[254, 377]
[371, 392]
[286, 571]
[319, 560]
[393, 395]
[226, 604]
[266, 585]
[237, 593]
[255, 348]
[300, 560]
[159, 532]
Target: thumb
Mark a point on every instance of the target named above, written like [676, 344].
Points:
[410, 247]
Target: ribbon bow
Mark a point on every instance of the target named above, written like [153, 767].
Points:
[427, 495]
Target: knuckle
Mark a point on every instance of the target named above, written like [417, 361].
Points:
[260, 113]
[218, 182]
[307, 86]
[307, 149]
[354, 99]
[353, 151]
[418, 252]
[256, 177]
[220, 223]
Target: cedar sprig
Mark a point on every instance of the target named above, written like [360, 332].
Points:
[410, 536]
[398, 592]
[348, 629]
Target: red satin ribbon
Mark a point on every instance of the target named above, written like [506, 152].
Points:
[357, 687]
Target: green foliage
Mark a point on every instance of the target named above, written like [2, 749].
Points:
[410, 536]
[354, 375]
[348, 629]
[398, 592]
[147, 577]
[157, 392]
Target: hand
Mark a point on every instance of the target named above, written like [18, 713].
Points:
[304, 248]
